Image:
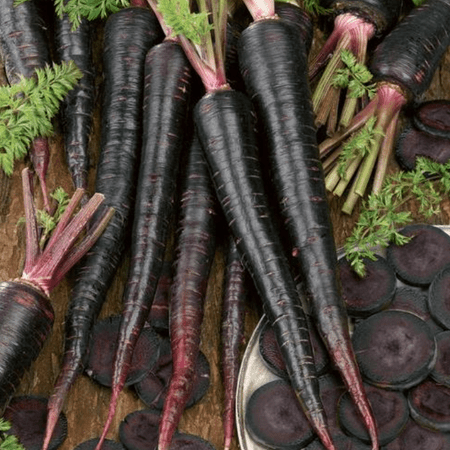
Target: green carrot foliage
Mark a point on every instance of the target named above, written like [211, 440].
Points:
[7, 441]
[381, 216]
[27, 109]
[355, 77]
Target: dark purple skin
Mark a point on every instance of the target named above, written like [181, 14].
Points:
[286, 122]
[78, 105]
[158, 316]
[413, 143]
[26, 320]
[23, 38]
[115, 178]
[25, 48]
[167, 96]
[383, 14]
[433, 117]
[299, 19]
[194, 255]
[409, 55]
[220, 116]
[232, 336]
[27, 415]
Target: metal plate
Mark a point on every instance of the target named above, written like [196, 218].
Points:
[254, 373]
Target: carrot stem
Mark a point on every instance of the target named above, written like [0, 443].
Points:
[385, 153]
[33, 250]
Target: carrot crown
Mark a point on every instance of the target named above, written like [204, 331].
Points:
[202, 35]
[45, 266]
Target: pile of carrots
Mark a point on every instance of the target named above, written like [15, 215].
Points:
[187, 153]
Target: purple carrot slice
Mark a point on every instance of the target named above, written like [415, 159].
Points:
[394, 349]
[390, 409]
[370, 294]
[429, 403]
[331, 389]
[419, 260]
[185, 441]
[152, 389]
[139, 429]
[439, 298]
[413, 143]
[342, 442]
[108, 444]
[415, 301]
[433, 117]
[275, 419]
[99, 363]
[27, 415]
[441, 370]
[271, 354]
[415, 436]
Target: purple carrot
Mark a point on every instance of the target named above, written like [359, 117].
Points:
[166, 104]
[194, 255]
[78, 105]
[129, 34]
[27, 315]
[274, 68]
[233, 311]
[25, 47]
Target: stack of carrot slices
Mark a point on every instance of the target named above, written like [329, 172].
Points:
[401, 336]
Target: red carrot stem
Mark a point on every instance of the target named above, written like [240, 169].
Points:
[32, 251]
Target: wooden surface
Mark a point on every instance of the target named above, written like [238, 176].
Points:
[87, 403]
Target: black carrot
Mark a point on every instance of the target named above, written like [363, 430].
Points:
[78, 106]
[166, 104]
[280, 92]
[403, 65]
[232, 334]
[194, 254]
[25, 47]
[226, 129]
[27, 316]
[129, 34]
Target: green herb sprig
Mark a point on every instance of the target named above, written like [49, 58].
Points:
[47, 221]
[357, 146]
[27, 109]
[8, 441]
[354, 76]
[381, 214]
